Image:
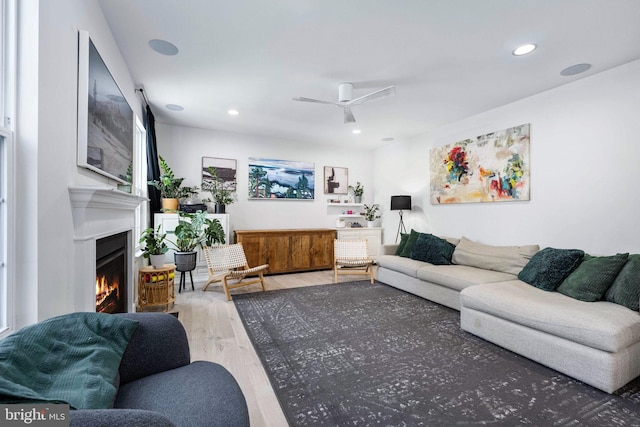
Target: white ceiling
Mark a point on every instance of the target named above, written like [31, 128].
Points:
[449, 59]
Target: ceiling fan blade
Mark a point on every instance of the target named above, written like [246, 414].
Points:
[317, 101]
[391, 90]
[348, 115]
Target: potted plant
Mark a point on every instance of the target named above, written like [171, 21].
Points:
[194, 230]
[371, 214]
[357, 192]
[169, 187]
[220, 190]
[128, 177]
[155, 247]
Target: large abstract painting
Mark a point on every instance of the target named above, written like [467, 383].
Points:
[281, 179]
[489, 168]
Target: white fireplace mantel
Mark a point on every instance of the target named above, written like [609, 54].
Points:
[99, 212]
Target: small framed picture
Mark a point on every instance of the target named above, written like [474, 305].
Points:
[336, 180]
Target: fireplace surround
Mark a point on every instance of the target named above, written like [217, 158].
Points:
[99, 212]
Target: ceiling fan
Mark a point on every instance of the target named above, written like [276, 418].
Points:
[345, 91]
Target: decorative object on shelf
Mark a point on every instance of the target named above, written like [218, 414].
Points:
[281, 179]
[400, 203]
[105, 119]
[489, 168]
[155, 247]
[336, 180]
[357, 191]
[340, 223]
[169, 187]
[221, 190]
[371, 214]
[128, 178]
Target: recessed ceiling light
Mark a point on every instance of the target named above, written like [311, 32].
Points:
[524, 49]
[233, 112]
[163, 47]
[356, 131]
[174, 107]
[388, 139]
[575, 69]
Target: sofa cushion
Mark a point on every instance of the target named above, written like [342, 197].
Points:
[411, 241]
[508, 259]
[549, 267]
[593, 277]
[602, 325]
[402, 265]
[199, 394]
[403, 242]
[432, 249]
[625, 289]
[459, 277]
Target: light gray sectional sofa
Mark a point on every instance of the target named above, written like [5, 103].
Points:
[595, 342]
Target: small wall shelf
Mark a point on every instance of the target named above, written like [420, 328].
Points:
[349, 205]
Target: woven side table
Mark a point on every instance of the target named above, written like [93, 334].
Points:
[155, 288]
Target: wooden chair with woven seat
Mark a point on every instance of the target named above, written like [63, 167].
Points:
[228, 262]
[351, 257]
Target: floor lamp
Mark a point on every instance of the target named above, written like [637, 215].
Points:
[400, 203]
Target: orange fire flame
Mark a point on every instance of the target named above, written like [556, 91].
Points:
[104, 289]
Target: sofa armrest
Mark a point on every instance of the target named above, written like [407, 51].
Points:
[158, 344]
[389, 249]
[117, 417]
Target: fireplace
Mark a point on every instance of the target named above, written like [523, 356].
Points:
[111, 274]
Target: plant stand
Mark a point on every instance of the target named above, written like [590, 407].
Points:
[185, 262]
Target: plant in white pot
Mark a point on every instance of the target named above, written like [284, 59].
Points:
[357, 191]
[371, 214]
[155, 247]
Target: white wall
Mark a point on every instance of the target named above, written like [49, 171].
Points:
[46, 149]
[585, 153]
[184, 147]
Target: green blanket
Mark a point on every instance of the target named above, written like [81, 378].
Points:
[71, 359]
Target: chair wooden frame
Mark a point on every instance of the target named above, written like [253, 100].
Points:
[228, 262]
[352, 257]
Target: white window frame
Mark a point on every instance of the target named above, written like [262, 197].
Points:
[139, 185]
[8, 52]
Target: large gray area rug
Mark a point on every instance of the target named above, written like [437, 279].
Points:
[356, 354]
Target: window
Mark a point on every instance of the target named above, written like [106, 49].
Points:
[140, 181]
[7, 103]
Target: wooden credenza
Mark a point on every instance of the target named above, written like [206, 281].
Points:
[287, 251]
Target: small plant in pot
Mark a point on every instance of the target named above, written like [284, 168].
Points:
[357, 191]
[221, 191]
[169, 187]
[155, 247]
[194, 230]
[371, 214]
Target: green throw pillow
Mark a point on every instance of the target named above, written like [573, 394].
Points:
[626, 288]
[432, 249]
[411, 241]
[403, 242]
[593, 277]
[549, 267]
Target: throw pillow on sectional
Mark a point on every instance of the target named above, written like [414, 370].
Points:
[403, 242]
[411, 241]
[432, 249]
[592, 278]
[549, 267]
[625, 289]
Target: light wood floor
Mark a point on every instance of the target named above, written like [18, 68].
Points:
[216, 333]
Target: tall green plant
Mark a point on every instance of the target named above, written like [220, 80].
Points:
[168, 184]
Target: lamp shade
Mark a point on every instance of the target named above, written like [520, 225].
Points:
[400, 203]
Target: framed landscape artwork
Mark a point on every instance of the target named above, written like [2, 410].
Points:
[105, 119]
[489, 168]
[281, 179]
[336, 180]
[225, 169]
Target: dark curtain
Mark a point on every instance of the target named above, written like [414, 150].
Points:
[153, 167]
